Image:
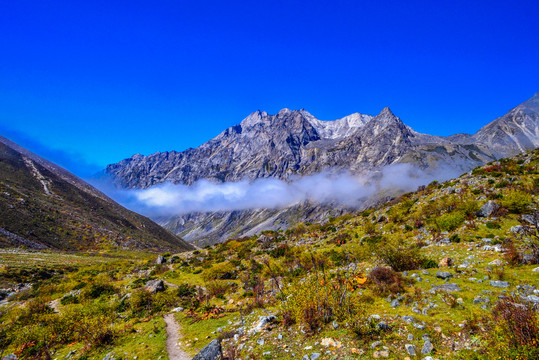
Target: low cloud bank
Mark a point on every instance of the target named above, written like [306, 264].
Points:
[326, 188]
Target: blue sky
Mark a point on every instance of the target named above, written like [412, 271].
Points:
[102, 80]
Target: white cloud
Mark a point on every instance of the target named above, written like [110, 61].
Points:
[342, 188]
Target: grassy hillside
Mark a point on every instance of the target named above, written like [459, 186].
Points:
[43, 206]
[450, 270]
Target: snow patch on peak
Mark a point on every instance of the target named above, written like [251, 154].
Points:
[340, 128]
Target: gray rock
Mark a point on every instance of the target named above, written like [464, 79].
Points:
[263, 321]
[536, 269]
[516, 229]
[212, 351]
[410, 349]
[427, 348]
[500, 284]
[109, 356]
[383, 326]
[408, 319]
[479, 300]
[530, 219]
[532, 298]
[489, 208]
[410, 337]
[444, 275]
[160, 260]
[155, 286]
[419, 326]
[10, 357]
[446, 288]
[395, 303]
[260, 342]
[375, 344]
[315, 356]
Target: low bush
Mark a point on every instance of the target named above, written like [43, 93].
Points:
[451, 221]
[400, 258]
[516, 201]
[386, 281]
[516, 328]
[222, 271]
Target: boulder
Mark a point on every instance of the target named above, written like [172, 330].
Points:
[427, 348]
[212, 351]
[443, 275]
[489, 208]
[500, 284]
[410, 349]
[262, 322]
[445, 287]
[446, 262]
[160, 260]
[155, 286]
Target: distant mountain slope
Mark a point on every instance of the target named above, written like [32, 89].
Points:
[45, 206]
[292, 143]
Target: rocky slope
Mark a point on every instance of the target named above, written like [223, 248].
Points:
[295, 143]
[44, 206]
[292, 143]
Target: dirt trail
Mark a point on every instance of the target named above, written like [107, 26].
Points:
[173, 336]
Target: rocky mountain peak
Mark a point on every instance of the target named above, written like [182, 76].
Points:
[254, 118]
[387, 113]
[284, 112]
[532, 104]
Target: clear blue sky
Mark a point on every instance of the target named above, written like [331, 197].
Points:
[102, 80]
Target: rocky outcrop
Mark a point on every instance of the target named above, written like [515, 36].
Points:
[212, 351]
[155, 286]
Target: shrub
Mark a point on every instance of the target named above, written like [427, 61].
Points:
[141, 300]
[69, 299]
[451, 221]
[96, 290]
[493, 225]
[223, 271]
[279, 251]
[516, 201]
[398, 257]
[469, 207]
[386, 281]
[518, 326]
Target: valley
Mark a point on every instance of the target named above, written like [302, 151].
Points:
[442, 272]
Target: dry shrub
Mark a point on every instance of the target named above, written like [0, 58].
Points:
[518, 322]
[511, 255]
[400, 258]
[386, 281]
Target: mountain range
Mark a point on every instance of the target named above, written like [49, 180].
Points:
[43, 206]
[293, 143]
